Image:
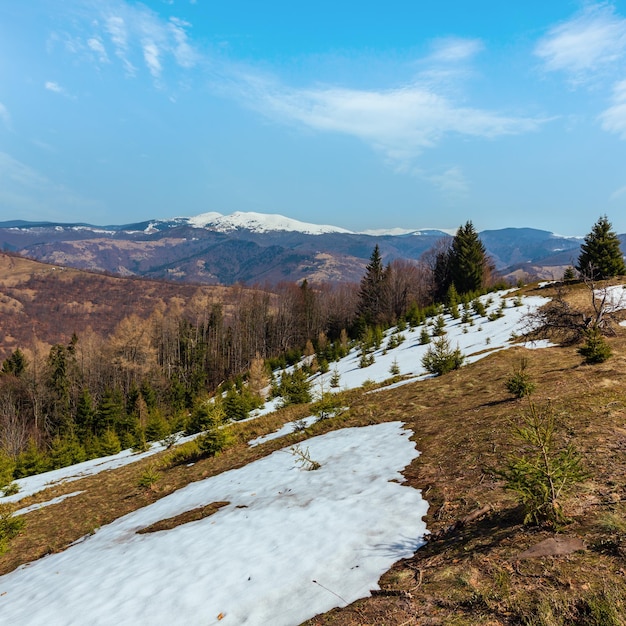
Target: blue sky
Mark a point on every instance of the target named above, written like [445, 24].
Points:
[357, 114]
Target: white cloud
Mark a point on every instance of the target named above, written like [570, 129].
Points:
[613, 119]
[151, 57]
[116, 29]
[455, 50]
[54, 87]
[399, 122]
[135, 31]
[185, 55]
[593, 39]
[95, 44]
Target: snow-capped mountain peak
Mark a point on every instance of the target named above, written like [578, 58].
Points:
[260, 223]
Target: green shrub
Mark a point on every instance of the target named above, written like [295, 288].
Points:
[366, 360]
[7, 468]
[11, 489]
[149, 477]
[440, 326]
[327, 406]
[440, 358]
[546, 471]
[295, 388]
[519, 383]
[9, 526]
[478, 307]
[214, 441]
[207, 413]
[595, 349]
[30, 461]
[187, 452]
[109, 443]
[424, 336]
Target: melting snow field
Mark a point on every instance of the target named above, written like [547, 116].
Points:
[475, 342]
[292, 543]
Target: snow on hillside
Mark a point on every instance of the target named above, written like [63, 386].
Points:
[290, 544]
[476, 340]
[260, 223]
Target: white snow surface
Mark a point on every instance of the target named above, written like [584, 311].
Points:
[283, 431]
[291, 544]
[615, 297]
[32, 484]
[479, 340]
[260, 223]
[42, 505]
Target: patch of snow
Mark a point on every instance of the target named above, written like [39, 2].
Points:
[538, 344]
[291, 544]
[286, 429]
[41, 505]
[204, 219]
[475, 342]
[38, 482]
[615, 297]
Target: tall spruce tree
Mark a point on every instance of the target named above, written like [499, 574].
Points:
[600, 254]
[373, 301]
[467, 261]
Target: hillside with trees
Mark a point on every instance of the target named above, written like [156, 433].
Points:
[200, 364]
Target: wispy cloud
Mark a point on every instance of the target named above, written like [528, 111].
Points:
[613, 119]
[95, 45]
[54, 87]
[590, 41]
[618, 193]
[452, 182]
[139, 36]
[116, 29]
[454, 50]
[400, 122]
[5, 117]
[151, 54]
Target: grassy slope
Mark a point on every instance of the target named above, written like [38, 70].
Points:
[461, 421]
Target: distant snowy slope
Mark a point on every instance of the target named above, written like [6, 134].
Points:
[260, 223]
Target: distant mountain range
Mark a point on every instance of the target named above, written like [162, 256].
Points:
[257, 248]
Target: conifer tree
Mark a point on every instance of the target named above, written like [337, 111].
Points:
[467, 260]
[15, 364]
[373, 303]
[600, 254]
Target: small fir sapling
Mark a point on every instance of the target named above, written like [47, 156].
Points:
[441, 358]
[595, 348]
[440, 326]
[394, 370]
[519, 384]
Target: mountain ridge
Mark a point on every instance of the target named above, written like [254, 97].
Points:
[212, 248]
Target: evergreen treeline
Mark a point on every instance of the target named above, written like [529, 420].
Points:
[94, 396]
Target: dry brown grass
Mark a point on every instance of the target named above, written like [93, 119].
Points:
[462, 426]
